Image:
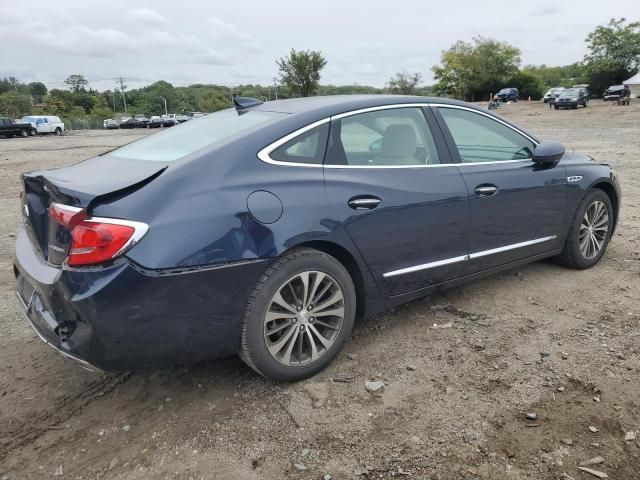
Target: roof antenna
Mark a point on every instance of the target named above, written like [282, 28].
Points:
[245, 102]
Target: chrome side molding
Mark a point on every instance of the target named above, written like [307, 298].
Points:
[464, 258]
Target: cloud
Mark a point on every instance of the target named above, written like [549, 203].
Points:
[148, 16]
[211, 57]
[547, 11]
[223, 29]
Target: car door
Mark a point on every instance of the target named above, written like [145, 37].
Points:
[387, 180]
[517, 207]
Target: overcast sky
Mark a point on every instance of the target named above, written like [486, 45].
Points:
[233, 42]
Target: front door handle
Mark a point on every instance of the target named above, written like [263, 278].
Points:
[364, 202]
[486, 190]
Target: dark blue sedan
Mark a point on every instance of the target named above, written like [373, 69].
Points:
[265, 230]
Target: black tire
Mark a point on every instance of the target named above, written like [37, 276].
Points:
[32, 132]
[253, 346]
[571, 255]
[557, 107]
[58, 131]
[24, 133]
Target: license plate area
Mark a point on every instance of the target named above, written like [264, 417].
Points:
[25, 292]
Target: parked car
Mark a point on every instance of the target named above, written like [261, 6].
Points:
[181, 118]
[614, 93]
[131, 123]
[508, 95]
[111, 124]
[572, 98]
[10, 129]
[142, 120]
[162, 122]
[267, 229]
[552, 94]
[45, 124]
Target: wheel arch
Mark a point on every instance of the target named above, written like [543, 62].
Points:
[349, 262]
[611, 192]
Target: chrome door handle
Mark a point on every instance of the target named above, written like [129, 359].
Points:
[486, 190]
[364, 203]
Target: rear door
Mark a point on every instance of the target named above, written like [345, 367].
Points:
[387, 179]
[517, 208]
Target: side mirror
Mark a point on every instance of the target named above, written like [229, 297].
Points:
[548, 153]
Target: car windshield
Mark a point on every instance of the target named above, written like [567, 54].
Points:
[505, 90]
[617, 87]
[571, 92]
[186, 138]
[556, 90]
[28, 120]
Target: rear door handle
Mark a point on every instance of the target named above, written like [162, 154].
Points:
[364, 203]
[486, 190]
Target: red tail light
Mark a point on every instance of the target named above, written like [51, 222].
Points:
[96, 240]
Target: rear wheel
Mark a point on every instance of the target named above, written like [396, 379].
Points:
[58, 131]
[24, 133]
[299, 316]
[32, 132]
[589, 232]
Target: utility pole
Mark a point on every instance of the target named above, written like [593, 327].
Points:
[114, 100]
[275, 86]
[124, 98]
[165, 106]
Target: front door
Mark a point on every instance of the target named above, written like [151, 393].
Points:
[406, 213]
[517, 208]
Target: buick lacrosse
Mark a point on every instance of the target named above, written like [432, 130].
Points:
[265, 230]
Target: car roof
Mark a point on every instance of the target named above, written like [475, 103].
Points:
[335, 104]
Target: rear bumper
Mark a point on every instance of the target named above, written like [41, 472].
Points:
[123, 317]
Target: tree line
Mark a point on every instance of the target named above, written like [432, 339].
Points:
[467, 70]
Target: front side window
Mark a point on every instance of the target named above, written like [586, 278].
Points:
[308, 147]
[179, 141]
[389, 137]
[482, 139]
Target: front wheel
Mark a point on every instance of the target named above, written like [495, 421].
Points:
[556, 107]
[298, 316]
[24, 133]
[589, 232]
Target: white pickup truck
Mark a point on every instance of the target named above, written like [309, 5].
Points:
[45, 124]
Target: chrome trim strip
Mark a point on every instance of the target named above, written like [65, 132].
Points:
[62, 206]
[464, 258]
[264, 153]
[510, 247]
[574, 179]
[426, 266]
[139, 231]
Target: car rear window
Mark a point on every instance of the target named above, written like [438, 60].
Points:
[179, 141]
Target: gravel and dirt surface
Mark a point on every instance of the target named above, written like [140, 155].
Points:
[462, 369]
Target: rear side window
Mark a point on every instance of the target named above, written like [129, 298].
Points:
[308, 147]
[482, 139]
[179, 141]
[392, 137]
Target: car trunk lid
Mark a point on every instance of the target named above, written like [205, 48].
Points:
[81, 187]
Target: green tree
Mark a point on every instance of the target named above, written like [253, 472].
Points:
[614, 54]
[37, 88]
[404, 83]
[100, 109]
[455, 76]
[473, 70]
[14, 105]
[528, 85]
[76, 82]
[300, 71]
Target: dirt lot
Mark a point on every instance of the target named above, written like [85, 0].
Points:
[540, 339]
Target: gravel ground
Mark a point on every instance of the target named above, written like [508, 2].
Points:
[540, 339]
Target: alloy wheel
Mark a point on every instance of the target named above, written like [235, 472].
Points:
[594, 229]
[304, 318]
